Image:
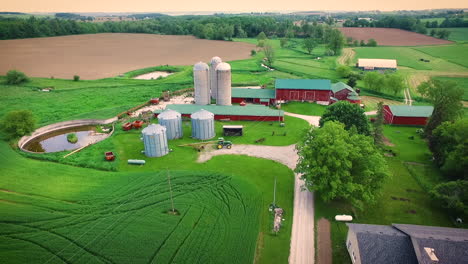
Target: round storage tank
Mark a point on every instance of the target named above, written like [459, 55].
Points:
[223, 73]
[213, 81]
[201, 78]
[172, 121]
[155, 140]
[203, 125]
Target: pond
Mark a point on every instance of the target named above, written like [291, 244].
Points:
[153, 75]
[57, 140]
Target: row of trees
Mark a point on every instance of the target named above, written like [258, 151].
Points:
[389, 82]
[447, 23]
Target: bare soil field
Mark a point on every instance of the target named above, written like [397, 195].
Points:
[392, 36]
[96, 56]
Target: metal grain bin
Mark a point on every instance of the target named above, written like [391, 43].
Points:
[172, 121]
[213, 79]
[203, 125]
[223, 73]
[155, 140]
[201, 78]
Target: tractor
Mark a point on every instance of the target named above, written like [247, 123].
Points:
[223, 143]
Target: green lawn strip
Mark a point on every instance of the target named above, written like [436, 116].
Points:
[304, 108]
[457, 54]
[458, 34]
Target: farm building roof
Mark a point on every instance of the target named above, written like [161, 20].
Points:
[234, 110]
[303, 84]
[253, 93]
[336, 87]
[377, 63]
[411, 111]
[353, 96]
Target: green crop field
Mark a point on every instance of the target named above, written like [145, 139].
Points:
[458, 34]
[439, 57]
[457, 54]
[461, 82]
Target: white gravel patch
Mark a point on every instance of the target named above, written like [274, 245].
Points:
[153, 75]
[181, 99]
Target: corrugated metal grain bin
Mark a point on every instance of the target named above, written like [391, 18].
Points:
[155, 140]
[203, 125]
[172, 121]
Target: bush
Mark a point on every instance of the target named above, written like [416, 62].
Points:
[452, 195]
[330, 52]
[72, 138]
[343, 71]
[372, 43]
[76, 78]
[18, 123]
[253, 52]
[15, 77]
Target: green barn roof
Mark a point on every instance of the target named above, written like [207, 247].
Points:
[253, 93]
[336, 87]
[411, 111]
[248, 110]
[303, 84]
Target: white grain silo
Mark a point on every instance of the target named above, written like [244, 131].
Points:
[203, 125]
[155, 140]
[201, 78]
[223, 78]
[213, 79]
[172, 121]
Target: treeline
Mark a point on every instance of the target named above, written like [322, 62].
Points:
[447, 23]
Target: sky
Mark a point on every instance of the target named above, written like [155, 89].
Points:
[219, 5]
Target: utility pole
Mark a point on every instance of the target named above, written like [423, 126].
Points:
[170, 190]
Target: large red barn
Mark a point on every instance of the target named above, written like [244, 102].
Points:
[311, 90]
[407, 115]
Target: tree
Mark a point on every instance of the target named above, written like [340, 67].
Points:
[374, 81]
[336, 41]
[356, 43]
[18, 123]
[348, 114]
[362, 43]
[261, 43]
[338, 164]
[433, 32]
[261, 36]
[283, 42]
[449, 147]
[372, 43]
[378, 125]
[394, 82]
[269, 53]
[343, 71]
[352, 81]
[15, 77]
[309, 44]
[452, 195]
[446, 98]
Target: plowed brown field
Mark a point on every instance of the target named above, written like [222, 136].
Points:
[392, 36]
[98, 56]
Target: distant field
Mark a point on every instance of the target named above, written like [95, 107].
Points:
[24, 15]
[462, 82]
[438, 19]
[458, 34]
[410, 57]
[96, 56]
[455, 53]
[392, 36]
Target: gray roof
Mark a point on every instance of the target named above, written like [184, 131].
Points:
[383, 244]
[153, 129]
[336, 87]
[450, 244]
[202, 114]
[169, 114]
[411, 110]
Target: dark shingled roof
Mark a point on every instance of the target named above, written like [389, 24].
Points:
[383, 245]
[450, 244]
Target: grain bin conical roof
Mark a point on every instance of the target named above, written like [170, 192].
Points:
[153, 129]
[202, 114]
[169, 114]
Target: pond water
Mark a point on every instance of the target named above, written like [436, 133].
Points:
[153, 75]
[57, 140]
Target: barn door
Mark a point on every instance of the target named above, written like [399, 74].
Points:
[310, 96]
[294, 95]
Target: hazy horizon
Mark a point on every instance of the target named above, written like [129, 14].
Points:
[212, 6]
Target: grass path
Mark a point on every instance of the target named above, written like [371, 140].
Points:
[347, 55]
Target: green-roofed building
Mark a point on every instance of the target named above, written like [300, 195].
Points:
[407, 115]
[234, 112]
[312, 90]
[256, 96]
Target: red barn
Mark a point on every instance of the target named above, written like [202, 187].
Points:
[407, 115]
[256, 96]
[342, 91]
[303, 90]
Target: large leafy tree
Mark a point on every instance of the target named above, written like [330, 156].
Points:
[449, 145]
[336, 41]
[269, 53]
[446, 98]
[18, 123]
[339, 164]
[348, 114]
[452, 195]
[309, 44]
[378, 125]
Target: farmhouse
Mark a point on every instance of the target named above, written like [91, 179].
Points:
[303, 90]
[376, 64]
[231, 112]
[407, 115]
[342, 91]
[256, 96]
[401, 243]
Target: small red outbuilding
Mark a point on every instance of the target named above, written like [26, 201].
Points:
[407, 115]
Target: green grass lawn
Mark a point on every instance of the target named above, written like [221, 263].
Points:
[392, 206]
[458, 34]
[304, 108]
[457, 54]
[461, 82]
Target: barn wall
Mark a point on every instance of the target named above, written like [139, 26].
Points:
[236, 100]
[303, 95]
[413, 121]
[388, 115]
[245, 118]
